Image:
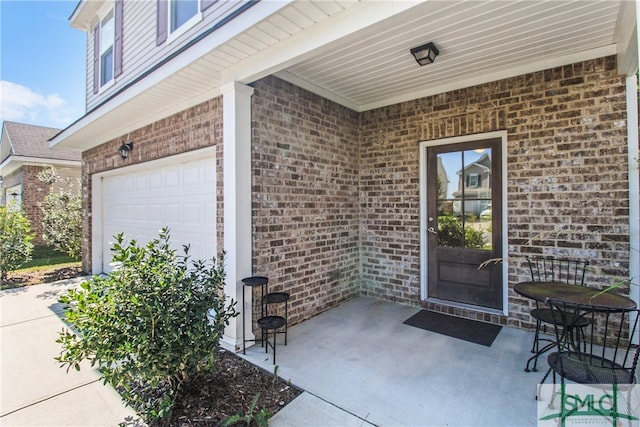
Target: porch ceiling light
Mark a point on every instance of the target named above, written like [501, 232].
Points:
[425, 54]
[124, 149]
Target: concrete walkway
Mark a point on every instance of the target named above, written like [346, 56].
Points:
[35, 390]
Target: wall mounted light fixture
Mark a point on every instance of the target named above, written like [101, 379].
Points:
[425, 54]
[124, 149]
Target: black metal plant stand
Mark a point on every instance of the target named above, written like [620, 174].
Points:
[268, 324]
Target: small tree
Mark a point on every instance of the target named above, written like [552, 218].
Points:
[150, 326]
[15, 239]
[62, 213]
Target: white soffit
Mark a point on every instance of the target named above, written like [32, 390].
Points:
[357, 53]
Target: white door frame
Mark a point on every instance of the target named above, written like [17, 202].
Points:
[423, 218]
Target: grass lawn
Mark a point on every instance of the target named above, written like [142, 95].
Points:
[46, 265]
[46, 257]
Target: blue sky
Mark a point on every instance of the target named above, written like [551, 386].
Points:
[42, 63]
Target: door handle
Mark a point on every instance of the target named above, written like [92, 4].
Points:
[432, 230]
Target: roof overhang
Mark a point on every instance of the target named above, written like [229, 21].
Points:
[85, 12]
[357, 53]
[13, 163]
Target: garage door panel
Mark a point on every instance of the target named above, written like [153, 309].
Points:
[155, 180]
[179, 196]
[193, 213]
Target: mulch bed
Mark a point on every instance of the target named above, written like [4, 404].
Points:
[228, 391]
[44, 275]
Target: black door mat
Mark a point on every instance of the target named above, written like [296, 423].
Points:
[469, 330]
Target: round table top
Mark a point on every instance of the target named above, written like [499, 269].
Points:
[583, 295]
[255, 281]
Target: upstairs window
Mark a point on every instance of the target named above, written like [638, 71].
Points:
[175, 17]
[181, 11]
[107, 46]
[107, 37]
[473, 180]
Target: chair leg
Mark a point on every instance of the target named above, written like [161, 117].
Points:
[533, 358]
[534, 347]
[553, 392]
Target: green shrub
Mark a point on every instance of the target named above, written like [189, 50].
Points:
[474, 238]
[150, 326]
[16, 244]
[251, 418]
[62, 213]
[452, 234]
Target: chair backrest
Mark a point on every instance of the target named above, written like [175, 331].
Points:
[557, 270]
[601, 352]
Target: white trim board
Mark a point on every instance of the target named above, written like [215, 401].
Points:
[423, 216]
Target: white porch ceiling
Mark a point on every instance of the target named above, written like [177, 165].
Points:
[357, 53]
[479, 41]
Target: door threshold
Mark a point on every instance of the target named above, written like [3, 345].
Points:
[465, 306]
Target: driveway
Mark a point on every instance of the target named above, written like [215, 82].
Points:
[35, 390]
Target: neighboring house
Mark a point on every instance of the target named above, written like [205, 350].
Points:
[24, 153]
[474, 182]
[302, 137]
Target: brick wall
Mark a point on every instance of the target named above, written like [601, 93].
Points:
[191, 129]
[335, 200]
[566, 171]
[33, 193]
[305, 197]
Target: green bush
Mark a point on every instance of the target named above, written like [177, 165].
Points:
[16, 244]
[474, 238]
[452, 234]
[150, 326]
[62, 213]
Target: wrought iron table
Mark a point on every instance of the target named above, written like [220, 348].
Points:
[595, 299]
[543, 291]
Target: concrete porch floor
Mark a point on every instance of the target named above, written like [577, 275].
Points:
[360, 365]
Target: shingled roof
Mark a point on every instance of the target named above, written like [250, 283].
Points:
[33, 141]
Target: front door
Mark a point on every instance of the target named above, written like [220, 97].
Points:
[464, 205]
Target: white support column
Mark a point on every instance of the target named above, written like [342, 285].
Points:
[634, 175]
[237, 204]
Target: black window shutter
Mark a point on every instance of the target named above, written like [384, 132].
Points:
[96, 58]
[162, 21]
[117, 43]
[205, 4]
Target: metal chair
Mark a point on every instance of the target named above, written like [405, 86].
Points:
[602, 353]
[571, 272]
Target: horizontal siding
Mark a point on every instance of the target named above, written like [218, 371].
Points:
[88, 68]
[140, 52]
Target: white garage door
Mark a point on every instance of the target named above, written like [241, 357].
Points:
[181, 196]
